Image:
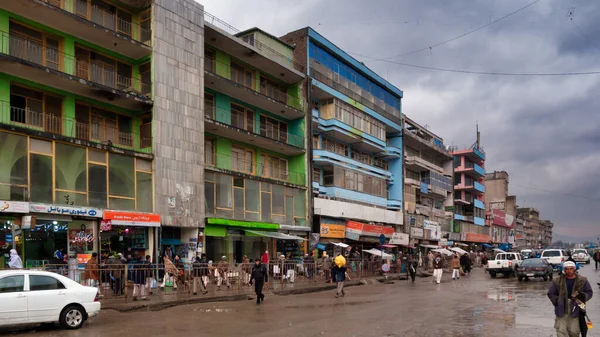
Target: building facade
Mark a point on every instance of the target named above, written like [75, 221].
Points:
[100, 125]
[428, 189]
[537, 232]
[469, 192]
[254, 144]
[501, 209]
[356, 142]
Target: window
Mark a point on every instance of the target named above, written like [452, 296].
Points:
[249, 39]
[274, 167]
[12, 284]
[273, 128]
[241, 76]
[34, 46]
[316, 175]
[273, 90]
[146, 77]
[315, 142]
[335, 147]
[242, 118]
[242, 160]
[146, 27]
[209, 105]
[354, 118]
[105, 70]
[356, 181]
[362, 157]
[146, 131]
[209, 152]
[36, 108]
[209, 60]
[41, 282]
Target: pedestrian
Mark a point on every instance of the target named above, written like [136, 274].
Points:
[15, 260]
[308, 262]
[140, 271]
[326, 265]
[117, 269]
[430, 258]
[260, 277]
[150, 279]
[438, 264]
[245, 269]
[412, 267]
[465, 263]
[199, 270]
[59, 260]
[567, 292]
[169, 253]
[265, 258]
[339, 276]
[91, 271]
[171, 273]
[222, 270]
[597, 257]
[455, 266]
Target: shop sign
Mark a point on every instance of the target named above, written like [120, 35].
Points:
[443, 242]
[333, 231]
[427, 224]
[105, 226]
[83, 258]
[74, 211]
[14, 207]
[433, 233]
[399, 239]
[132, 218]
[416, 233]
[352, 236]
[368, 230]
[454, 236]
[85, 236]
[475, 237]
[27, 221]
[500, 218]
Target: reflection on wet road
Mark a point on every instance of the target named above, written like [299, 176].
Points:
[475, 305]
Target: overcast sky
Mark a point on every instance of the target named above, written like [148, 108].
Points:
[544, 131]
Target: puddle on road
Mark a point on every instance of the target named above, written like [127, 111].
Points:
[213, 310]
[336, 304]
[501, 296]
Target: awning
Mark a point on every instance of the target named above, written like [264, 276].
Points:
[430, 246]
[389, 246]
[276, 235]
[340, 244]
[499, 250]
[444, 251]
[458, 250]
[377, 253]
[461, 244]
[487, 245]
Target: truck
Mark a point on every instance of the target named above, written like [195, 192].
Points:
[504, 263]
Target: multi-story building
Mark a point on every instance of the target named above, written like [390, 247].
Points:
[501, 209]
[427, 183]
[520, 233]
[547, 227]
[356, 143]
[100, 125]
[254, 144]
[533, 227]
[469, 190]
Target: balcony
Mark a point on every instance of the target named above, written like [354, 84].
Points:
[479, 204]
[33, 61]
[79, 18]
[46, 124]
[222, 35]
[471, 169]
[479, 221]
[218, 77]
[219, 121]
[477, 155]
[230, 163]
[479, 187]
[417, 163]
[348, 210]
[326, 76]
[429, 143]
[390, 152]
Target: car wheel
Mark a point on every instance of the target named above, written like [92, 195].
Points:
[72, 317]
[493, 275]
[527, 279]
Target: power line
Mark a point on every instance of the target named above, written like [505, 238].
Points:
[461, 71]
[587, 37]
[555, 192]
[457, 37]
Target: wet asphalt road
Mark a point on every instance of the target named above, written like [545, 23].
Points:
[475, 305]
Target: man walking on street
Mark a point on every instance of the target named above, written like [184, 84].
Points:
[597, 257]
[567, 292]
[438, 264]
[412, 267]
[260, 277]
[339, 276]
[455, 265]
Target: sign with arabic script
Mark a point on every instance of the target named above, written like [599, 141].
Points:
[65, 210]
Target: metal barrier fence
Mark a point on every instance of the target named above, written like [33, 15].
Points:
[124, 281]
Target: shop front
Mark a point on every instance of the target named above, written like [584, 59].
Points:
[50, 228]
[11, 213]
[294, 249]
[129, 233]
[475, 238]
[366, 235]
[332, 232]
[501, 226]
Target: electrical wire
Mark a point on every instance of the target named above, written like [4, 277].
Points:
[461, 71]
[587, 37]
[456, 37]
[555, 192]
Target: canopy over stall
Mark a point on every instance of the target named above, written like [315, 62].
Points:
[443, 251]
[377, 253]
[458, 250]
[276, 235]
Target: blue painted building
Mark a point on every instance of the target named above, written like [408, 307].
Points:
[356, 131]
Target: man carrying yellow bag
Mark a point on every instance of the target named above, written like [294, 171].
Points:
[339, 274]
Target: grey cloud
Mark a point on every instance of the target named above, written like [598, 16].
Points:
[542, 130]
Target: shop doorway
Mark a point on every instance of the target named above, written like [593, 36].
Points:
[238, 250]
[42, 240]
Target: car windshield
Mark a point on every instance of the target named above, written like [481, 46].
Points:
[533, 263]
[578, 251]
[551, 253]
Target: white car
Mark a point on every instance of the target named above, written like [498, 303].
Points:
[554, 257]
[581, 255]
[36, 297]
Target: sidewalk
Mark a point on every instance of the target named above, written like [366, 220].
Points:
[160, 300]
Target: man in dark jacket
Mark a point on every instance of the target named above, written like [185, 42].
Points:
[200, 270]
[438, 265]
[465, 263]
[597, 257]
[260, 277]
[339, 276]
[566, 293]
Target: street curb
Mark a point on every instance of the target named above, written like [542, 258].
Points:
[244, 297]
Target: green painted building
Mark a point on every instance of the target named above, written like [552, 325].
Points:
[254, 144]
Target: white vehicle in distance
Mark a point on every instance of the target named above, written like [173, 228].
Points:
[37, 297]
[555, 257]
[581, 255]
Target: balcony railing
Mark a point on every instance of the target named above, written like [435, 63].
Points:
[223, 115]
[36, 53]
[268, 51]
[224, 70]
[106, 19]
[317, 71]
[59, 125]
[429, 142]
[233, 163]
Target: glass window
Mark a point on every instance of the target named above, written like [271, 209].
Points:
[278, 199]
[144, 191]
[41, 178]
[12, 284]
[265, 209]
[122, 204]
[238, 203]
[71, 198]
[41, 282]
[209, 198]
[209, 152]
[224, 191]
[121, 176]
[97, 185]
[13, 167]
[299, 203]
[252, 195]
[97, 156]
[70, 164]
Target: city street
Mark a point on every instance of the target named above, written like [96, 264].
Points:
[475, 305]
